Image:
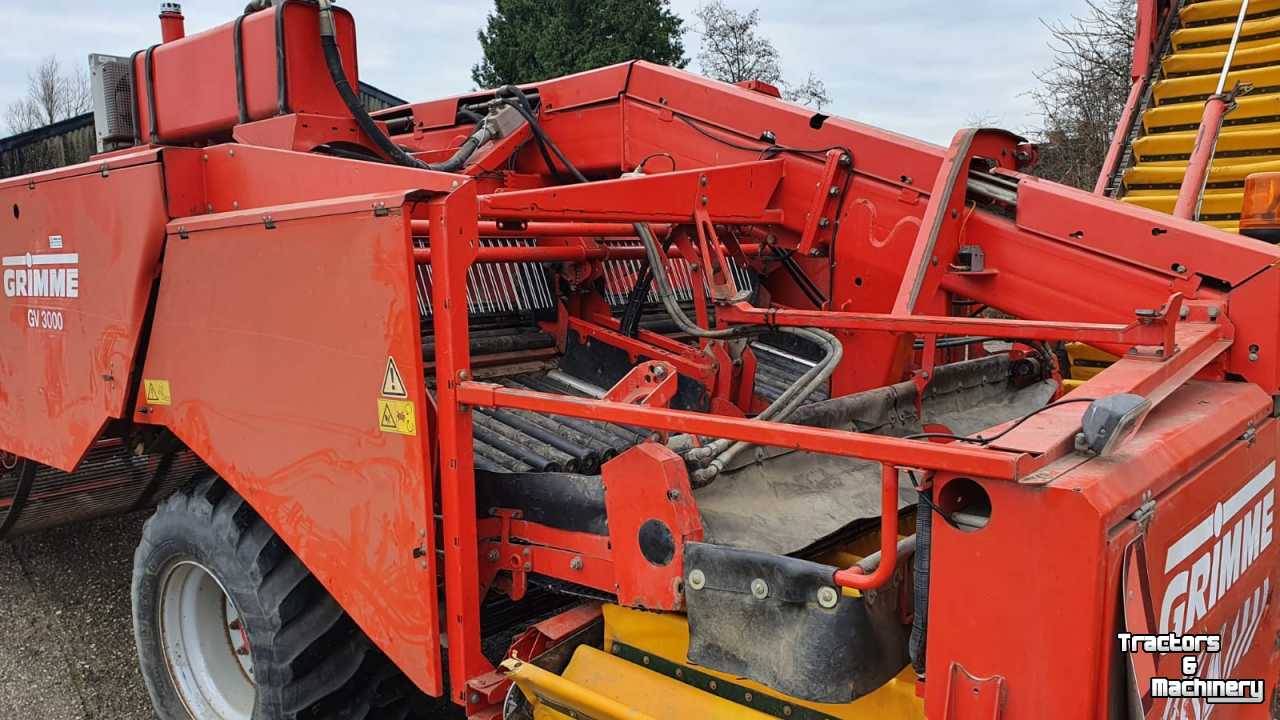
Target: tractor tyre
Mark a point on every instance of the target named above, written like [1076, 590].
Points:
[231, 626]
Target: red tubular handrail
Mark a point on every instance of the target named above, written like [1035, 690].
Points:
[854, 577]
[491, 228]
[561, 253]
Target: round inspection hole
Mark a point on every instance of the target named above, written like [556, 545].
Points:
[966, 503]
[857, 281]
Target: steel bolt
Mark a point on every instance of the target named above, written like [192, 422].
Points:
[575, 564]
[1213, 313]
[493, 556]
[705, 199]
[697, 580]
[702, 181]
[786, 710]
[759, 589]
[463, 375]
[834, 191]
[673, 495]
[713, 685]
[1179, 268]
[828, 597]
[1253, 353]
[528, 567]
[824, 222]
[748, 697]
[474, 699]
[1184, 313]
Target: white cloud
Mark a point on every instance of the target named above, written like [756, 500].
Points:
[919, 67]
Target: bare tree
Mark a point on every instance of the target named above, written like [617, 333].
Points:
[811, 92]
[52, 95]
[734, 51]
[1083, 91]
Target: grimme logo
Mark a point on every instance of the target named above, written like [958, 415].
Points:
[1194, 591]
[1200, 568]
[42, 275]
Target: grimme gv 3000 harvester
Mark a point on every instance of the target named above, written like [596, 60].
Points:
[630, 394]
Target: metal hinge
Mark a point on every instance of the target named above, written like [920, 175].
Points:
[268, 222]
[381, 210]
[1144, 512]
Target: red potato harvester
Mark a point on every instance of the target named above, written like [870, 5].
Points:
[628, 394]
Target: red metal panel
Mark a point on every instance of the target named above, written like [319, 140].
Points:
[1057, 550]
[80, 251]
[230, 177]
[279, 386]
[663, 505]
[1152, 240]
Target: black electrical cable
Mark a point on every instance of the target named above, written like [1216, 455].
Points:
[774, 149]
[807, 286]
[927, 501]
[978, 439]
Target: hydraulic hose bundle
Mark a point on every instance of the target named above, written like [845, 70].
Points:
[333, 59]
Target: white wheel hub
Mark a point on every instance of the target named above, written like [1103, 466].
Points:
[206, 645]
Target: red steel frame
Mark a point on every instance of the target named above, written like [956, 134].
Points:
[1066, 264]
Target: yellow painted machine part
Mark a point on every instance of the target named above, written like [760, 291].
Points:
[1250, 140]
[600, 685]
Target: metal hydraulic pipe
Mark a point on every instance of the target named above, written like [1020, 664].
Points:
[1191, 193]
[855, 577]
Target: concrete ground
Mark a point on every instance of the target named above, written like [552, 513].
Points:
[66, 637]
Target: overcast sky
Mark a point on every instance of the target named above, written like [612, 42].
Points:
[919, 67]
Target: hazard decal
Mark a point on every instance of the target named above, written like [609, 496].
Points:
[397, 416]
[157, 392]
[392, 382]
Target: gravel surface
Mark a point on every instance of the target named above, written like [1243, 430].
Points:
[65, 619]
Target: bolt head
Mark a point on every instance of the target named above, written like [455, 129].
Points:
[759, 589]
[575, 564]
[697, 580]
[828, 597]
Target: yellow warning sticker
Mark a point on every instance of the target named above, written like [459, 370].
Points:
[392, 382]
[397, 416]
[157, 392]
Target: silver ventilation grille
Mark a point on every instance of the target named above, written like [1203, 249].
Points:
[112, 101]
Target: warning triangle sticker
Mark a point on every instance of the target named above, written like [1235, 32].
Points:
[388, 421]
[392, 382]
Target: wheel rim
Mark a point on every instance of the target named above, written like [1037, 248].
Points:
[206, 645]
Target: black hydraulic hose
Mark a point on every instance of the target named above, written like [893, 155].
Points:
[920, 614]
[333, 60]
